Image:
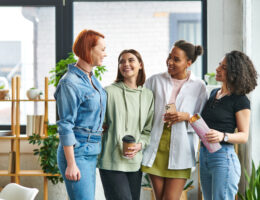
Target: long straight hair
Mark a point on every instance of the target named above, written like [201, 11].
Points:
[141, 74]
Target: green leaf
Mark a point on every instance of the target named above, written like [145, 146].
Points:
[60, 69]
[47, 152]
[252, 191]
[188, 185]
[212, 74]
[241, 196]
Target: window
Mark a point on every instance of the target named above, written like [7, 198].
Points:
[27, 49]
[188, 27]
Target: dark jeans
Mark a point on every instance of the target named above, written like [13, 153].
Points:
[121, 185]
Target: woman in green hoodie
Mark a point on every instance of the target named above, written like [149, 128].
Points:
[130, 108]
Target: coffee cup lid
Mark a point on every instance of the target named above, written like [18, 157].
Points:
[128, 139]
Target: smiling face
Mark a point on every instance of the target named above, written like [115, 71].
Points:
[221, 70]
[129, 66]
[177, 63]
[98, 52]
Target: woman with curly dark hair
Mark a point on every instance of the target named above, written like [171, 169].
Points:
[228, 108]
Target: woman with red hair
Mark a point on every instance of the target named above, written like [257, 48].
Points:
[81, 103]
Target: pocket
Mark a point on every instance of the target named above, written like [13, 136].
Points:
[90, 101]
[87, 149]
[76, 145]
[92, 149]
[222, 152]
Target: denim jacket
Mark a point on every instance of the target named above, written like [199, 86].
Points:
[79, 105]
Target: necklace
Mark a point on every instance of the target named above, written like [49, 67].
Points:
[83, 69]
[220, 95]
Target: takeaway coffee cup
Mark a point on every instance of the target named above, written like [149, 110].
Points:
[128, 141]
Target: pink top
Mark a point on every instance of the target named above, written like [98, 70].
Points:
[177, 84]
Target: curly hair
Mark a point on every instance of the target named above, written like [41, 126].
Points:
[241, 73]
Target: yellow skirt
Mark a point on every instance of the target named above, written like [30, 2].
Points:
[160, 165]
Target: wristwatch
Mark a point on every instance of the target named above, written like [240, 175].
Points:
[225, 139]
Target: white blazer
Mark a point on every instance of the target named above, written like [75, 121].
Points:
[184, 141]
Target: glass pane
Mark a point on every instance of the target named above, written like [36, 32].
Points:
[191, 32]
[141, 25]
[27, 49]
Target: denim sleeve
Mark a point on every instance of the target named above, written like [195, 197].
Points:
[67, 104]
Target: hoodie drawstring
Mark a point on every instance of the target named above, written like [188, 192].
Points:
[126, 112]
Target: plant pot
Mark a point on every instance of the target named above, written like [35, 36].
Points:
[34, 94]
[3, 93]
[184, 194]
[150, 190]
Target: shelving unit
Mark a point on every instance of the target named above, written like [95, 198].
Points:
[16, 137]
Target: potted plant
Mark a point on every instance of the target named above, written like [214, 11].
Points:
[146, 186]
[210, 78]
[34, 93]
[252, 191]
[4, 91]
[186, 189]
[47, 152]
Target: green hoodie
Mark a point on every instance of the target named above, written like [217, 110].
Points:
[129, 112]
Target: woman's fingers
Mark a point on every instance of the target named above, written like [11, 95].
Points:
[133, 150]
[72, 173]
[212, 137]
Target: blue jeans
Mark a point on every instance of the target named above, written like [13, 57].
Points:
[219, 173]
[86, 149]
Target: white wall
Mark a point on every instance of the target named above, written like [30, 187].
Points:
[143, 26]
[225, 29]
[255, 98]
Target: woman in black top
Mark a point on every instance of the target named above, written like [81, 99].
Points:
[228, 108]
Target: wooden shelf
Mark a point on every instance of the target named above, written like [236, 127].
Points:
[18, 100]
[8, 137]
[40, 100]
[25, 137]
[16, 138]
[6, 173]
[35, 173]
[21, 137]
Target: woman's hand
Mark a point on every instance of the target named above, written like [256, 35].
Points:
[72, 172]
[105, 127]
[134, 150]
[214, 136]
[172, 118]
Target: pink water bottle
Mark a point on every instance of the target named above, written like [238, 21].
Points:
[201, 128]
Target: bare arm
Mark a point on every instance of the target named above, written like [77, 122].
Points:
[72, 171]
[242, 119]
